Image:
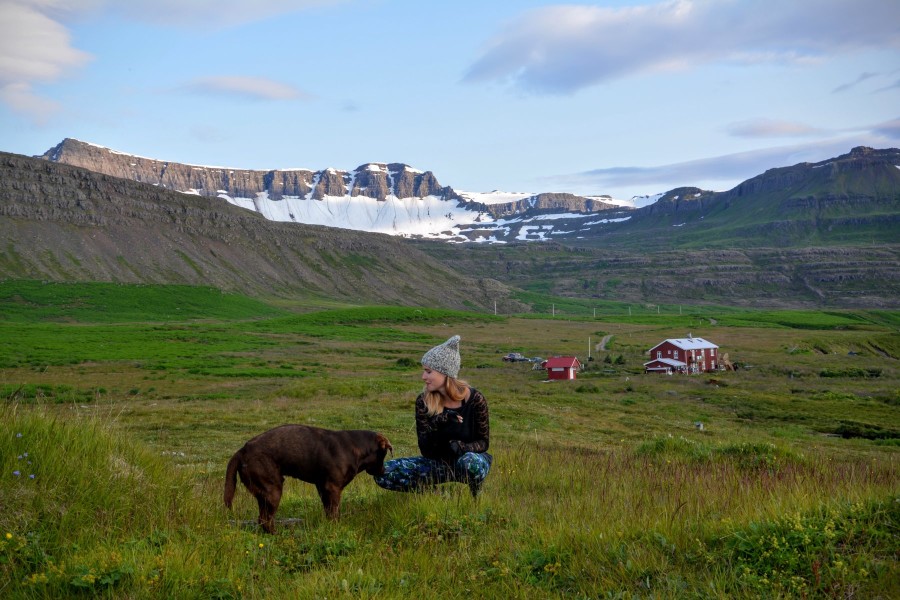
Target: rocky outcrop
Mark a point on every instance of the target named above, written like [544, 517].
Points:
[374, 180]
[548, 202]
[379, 180]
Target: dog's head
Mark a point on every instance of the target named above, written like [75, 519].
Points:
[382, 447]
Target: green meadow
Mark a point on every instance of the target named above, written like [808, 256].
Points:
[121, 406]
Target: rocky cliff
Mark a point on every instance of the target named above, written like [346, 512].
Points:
[373, 180]
[548, 202]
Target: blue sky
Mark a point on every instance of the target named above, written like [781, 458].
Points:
[619, 97]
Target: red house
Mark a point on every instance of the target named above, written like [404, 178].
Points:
[683, 355]
[561, 367]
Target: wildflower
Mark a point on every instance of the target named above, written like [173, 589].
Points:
[18, 435]
[31, 476]
[261, 545]
[8, 536]
[16, 473]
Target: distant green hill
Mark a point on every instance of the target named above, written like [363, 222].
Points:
[849, 200]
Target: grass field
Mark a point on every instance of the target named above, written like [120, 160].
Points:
[122, 404]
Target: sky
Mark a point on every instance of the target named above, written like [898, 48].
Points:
[621, 98]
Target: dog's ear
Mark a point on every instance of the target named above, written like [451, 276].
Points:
[385, 445]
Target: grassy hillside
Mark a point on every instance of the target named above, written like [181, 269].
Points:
[66, 224]
[115, 433]
[821, 278]
[98, 302]
[851, 200]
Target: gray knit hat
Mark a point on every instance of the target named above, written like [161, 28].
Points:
[444, 358]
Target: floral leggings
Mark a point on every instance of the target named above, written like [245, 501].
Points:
[415, 473]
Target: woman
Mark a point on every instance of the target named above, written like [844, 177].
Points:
[452, 427]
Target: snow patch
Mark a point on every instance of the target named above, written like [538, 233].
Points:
[495, 197]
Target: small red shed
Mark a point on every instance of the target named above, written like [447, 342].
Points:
[683, 355]
[561, 367]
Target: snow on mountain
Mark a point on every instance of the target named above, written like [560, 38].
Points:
[388, 198]
[495, 197]
[426, 217]
[642, 201]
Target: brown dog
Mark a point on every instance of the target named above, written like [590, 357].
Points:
[329, 459]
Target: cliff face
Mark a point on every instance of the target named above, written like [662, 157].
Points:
[549, 202]
[375, 180]
[372, 180]
[64, 223]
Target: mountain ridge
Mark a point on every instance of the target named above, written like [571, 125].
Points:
[404, 201]
[65, 223]
[846, 199]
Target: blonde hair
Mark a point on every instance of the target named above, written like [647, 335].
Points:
[454, 390]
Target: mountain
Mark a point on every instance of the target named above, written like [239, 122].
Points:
[813, 235]
[390, 198]
[851, 199]
[65, 223]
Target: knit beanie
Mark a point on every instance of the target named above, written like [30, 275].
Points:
[444, 358]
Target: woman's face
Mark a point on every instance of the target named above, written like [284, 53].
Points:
[434, 381]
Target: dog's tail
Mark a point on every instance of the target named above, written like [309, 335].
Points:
[231, 478]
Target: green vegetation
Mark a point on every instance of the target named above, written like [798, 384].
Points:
[99, 302]
[779, 480]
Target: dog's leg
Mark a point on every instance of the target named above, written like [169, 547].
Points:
[330, 493]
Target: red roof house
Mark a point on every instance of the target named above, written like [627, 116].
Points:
[561, 367]
[683, 355]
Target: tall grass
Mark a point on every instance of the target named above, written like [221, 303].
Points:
[666, 519]
[114, 437]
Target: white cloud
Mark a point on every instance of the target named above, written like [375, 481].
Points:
[254, 88]
[35, 43]
[214, 13]
[889, 129]
[726, 171]
[769, 128]
[34, 48]
[561, 49]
